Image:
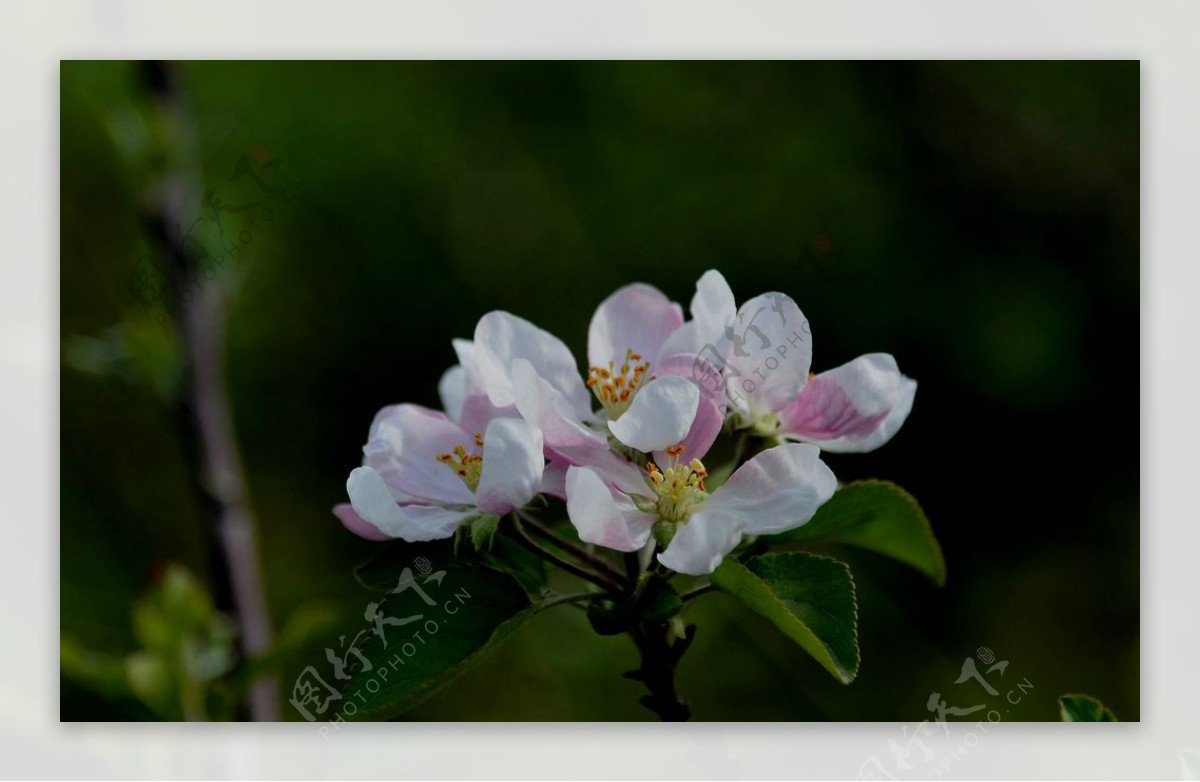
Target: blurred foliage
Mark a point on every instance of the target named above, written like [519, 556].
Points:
[977, 220]
[185, 647]
[1084, 708]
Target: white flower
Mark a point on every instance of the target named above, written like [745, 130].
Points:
[426, 473]
[777, 490]
[647, 399]
[763, 351]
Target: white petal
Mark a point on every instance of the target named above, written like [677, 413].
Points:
[853, 408]
[512, 466]
[660, 415]
[374, 504]
[501, 338]
[700, 545]
[546, 408]
[777, 490]
[478, 411]
[452, 389]
[895, 419]
[469, 361]
[710, 413]
[637, 317]
[404, 444]
[770, 347]
[713, 307]
[602, 516]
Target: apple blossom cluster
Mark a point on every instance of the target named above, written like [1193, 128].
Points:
[624, 443]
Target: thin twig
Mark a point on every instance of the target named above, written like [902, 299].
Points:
[578, 552]
[522, 537]
[686, 596]
[575, 598]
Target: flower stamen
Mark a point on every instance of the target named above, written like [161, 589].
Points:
[679, 488]
[615, 386]
[467, 466]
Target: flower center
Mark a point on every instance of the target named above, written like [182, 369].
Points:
[679, 488]
[615, 386]
[467, 466]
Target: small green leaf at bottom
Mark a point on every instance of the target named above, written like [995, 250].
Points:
[809, 597]
[1084, 708]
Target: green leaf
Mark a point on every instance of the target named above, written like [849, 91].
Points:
[1084, 708]
[878, 516]
[510, 557]
[807, 596]
[474, 607]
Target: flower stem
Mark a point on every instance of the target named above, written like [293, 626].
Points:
[523, 538]
[578, 552]
[550, 602]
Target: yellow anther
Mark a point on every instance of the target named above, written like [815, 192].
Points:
[679, 488]
[467, 466]
[616, 386]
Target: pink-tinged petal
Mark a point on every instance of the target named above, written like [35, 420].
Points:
[700, 545]
[661, 414]
[453, 391]
[543, 406]
[501, 338]
[478, 411]
[512, 466]
[853, 408]
[777, 490]
[603, 516]
[684, 339]
[710, 413]
[769, 345]
[617, 471]
[554, 480]
[706, 426]
[356, 524]
[374, 504]
[636, 317]
[404, 444]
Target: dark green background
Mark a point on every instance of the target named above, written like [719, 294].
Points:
[983, 223]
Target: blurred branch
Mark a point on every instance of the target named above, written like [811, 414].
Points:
[204, 407]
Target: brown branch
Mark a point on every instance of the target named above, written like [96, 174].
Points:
[204, 411]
